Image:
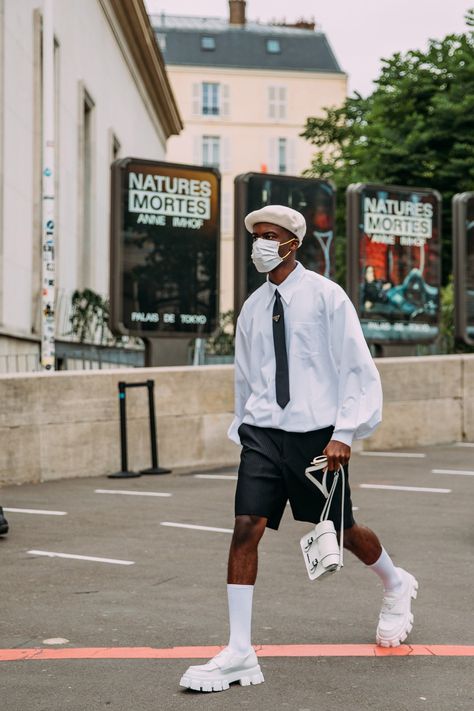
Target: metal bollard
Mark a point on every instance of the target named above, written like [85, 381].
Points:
[125, 472]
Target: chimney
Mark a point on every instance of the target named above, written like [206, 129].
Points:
[237, 12]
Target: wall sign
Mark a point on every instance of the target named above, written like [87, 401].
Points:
[315, 199]
[164, 249]
[393, 250]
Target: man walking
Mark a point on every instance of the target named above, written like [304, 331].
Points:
[305, 385]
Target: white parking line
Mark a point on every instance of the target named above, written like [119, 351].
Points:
[196, 528]
[130, 493]
[42, 512]
[407, 455]
[464, 444]
[94, 559]
[229, 477]
[461, 472]
[405, 488]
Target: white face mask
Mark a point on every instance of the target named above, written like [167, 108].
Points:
[265, 254]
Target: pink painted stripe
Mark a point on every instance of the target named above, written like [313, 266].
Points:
[270, 650]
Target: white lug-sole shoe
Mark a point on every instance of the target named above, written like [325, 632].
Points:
[221, 671]
[396, 617]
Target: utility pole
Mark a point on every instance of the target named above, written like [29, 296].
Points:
[48, 276]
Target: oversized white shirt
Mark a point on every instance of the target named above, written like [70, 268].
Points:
[333, 379]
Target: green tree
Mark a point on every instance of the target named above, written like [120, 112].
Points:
[415, 129]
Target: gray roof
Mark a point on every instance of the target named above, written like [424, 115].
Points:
[242, 47]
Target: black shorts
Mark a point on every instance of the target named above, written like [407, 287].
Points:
[271, 472]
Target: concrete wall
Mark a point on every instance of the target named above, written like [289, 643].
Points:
[426, 401]
[66, 424]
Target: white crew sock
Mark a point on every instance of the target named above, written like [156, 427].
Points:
[386, 571]
[240, 617]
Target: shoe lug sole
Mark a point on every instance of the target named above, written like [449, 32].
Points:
[253, 680]
[188, 682]
[387, 643]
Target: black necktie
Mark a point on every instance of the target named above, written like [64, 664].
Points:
[282, 380]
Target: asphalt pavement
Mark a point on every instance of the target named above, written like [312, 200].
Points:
[147, 595]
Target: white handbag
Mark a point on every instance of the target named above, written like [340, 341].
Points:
[322, 553]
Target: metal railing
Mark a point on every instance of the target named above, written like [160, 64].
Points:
[20, 362]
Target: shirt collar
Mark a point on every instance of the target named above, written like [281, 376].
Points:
[287, 288]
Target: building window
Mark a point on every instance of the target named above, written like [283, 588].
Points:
[210, 99]
[208, 43]
[211, 149]
[282, 155]
[86, 187]
[277, 102]
[273, 46]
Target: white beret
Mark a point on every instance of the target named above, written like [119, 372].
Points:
[286, 217]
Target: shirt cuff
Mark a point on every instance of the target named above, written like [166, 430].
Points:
[233, 431]
[345, 436]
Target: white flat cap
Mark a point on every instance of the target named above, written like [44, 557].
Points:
[286, 217]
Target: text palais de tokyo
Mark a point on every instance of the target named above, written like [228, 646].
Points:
[386, 220]
[158, 198]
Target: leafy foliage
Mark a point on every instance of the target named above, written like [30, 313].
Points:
[90, 316]
[448, 343]
[415, 129]
[222, 341]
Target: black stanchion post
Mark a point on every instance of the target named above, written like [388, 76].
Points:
[155, 468]
[124, 473]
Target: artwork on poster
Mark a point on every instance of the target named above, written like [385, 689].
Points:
[314, 198]
[165, 248]
[394, 261]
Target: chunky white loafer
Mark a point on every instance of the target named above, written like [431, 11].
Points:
[396, 618]
[222, 670]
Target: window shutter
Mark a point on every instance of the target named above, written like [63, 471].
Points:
[271, 102]
[197, 150]
[225, 99]
[291, 156]
[225, 156]
[282, 102]
[196, 101]
[273, 155]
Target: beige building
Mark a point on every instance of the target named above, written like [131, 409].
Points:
[244, 90]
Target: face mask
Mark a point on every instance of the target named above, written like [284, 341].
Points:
[265, 254]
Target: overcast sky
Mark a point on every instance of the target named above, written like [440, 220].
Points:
[360, 32]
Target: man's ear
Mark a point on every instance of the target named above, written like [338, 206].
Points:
[295, 245]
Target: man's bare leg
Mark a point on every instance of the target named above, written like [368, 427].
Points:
[363, 543]
[243, 555]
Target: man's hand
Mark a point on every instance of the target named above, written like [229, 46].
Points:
[337, 454]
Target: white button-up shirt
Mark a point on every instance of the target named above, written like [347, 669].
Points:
[333, 379]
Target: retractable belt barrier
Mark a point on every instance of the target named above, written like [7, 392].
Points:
[125, 472]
